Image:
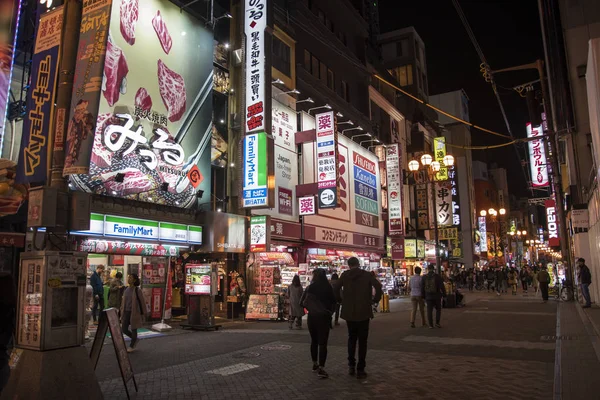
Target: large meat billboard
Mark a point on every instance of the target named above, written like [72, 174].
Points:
[151, 138]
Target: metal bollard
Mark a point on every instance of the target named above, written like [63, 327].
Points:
[384, 303]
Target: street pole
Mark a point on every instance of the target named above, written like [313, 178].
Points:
[438, 261]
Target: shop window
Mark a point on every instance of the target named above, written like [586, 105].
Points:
[330, 79]
[281, 56]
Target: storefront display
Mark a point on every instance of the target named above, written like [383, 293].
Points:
[263, 307]
[197, 279]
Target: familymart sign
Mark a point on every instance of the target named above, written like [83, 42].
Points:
[135, 228]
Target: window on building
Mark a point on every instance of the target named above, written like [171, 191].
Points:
[330, 79]
[388, 51]
[321, 16]
[323, 72]
[281, 56]
[315, 66]
[344, 90]
[307, 60]
[403, 75]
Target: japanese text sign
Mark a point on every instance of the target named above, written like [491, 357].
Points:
[552, 220]
[260, 230]
[255, 188]
[439, 149]
[255, 23]
[307, 205]
[443, 203]
[537, 157]
[327, 168]
[482, 234]
[394, 184]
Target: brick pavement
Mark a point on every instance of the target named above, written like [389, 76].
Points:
[502, 351]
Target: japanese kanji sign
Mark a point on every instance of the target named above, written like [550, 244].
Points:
[439, 149]
[537, 157]
[443, 203]
[327, 168]
[260, 233]
[255, 23]
[448, 233]
[482, 234]
[255, 185]
[394, 184]
[307, 205]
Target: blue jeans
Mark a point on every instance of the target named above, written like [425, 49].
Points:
[585, 291]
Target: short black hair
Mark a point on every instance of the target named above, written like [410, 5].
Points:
[581, 260]
[417, 270]
[353, 262]
[119, 275]
[136, 279]
[431, 267]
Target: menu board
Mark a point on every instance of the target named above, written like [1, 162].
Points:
[30, 291]
[263, 306]
[287, 275]
[197, 279]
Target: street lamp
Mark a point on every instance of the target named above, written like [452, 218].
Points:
[307, 100]
[493, 213]
[359, 128]
[432, 167]
[327, 106]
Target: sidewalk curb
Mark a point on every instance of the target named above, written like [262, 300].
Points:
[591, 328]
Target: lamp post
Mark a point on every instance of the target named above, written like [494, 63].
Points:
[432, 168]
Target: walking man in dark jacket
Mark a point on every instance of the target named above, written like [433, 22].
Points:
[585, 278]
[433, 291]
[98, 292]
[544, 280]
[354, 290]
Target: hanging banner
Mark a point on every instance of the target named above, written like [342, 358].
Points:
[11, 12]
[439, 149]
[255, 24]
[397, 252]
[33, 157]
[260, 232]
[422, 207]
[393, 160]
[169, 297]
[482, 234]
[537, 157]
[443, 201]
[410, 248]
[327, 169]
[255, 190]
[552, 221]
[366, 192]
[152, 106]
[87, 83]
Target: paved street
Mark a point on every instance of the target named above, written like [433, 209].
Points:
[494, 348]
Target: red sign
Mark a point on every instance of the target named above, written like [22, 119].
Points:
[12, 239]
[169, 294]
[398, 249]
[156, 303]
[284, 229]
[364, 163]
[285, 198]
[552, 220]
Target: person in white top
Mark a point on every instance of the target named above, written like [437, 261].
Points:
[416, 297]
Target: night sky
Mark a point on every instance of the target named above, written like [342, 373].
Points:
[508, 33]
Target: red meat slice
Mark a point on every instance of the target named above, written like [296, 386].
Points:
[101, 156]
[143, 99]
[172, 91]
[135, 181]
[129, 16]
[162, 32]
[115, 70]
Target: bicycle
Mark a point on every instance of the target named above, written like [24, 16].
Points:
[566, 292]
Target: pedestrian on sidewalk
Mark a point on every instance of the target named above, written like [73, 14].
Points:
[354, 291]
[334, 281]
[524, 276]
[294, 295]
[433, 291]
[470, 279]
[98, 292]
[491, 276]
[133, 310]
[585, 277]
[415, 286]
[543, 278]
[319, 300]
[512, 280]
[115, 293]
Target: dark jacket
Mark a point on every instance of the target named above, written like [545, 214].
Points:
[115, 293]
[96, 283]
[585, 276]
[357, 287]
[440, 289]
[323, 292]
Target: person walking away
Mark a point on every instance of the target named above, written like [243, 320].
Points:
[296, 310]
[512, 280]
[98, 292]
[543, 278]
[524, 275]
[354, 291]
[416, 297]
[534, 281]
[433, 290]
[585, 277]
[491, 277]
[470, 279]
[133, 310]
[115, 293]
[8, 309]
[319, 300]
[334, 281]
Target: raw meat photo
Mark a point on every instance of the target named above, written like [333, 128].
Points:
[129, 14]
[143, 99]
[115, 71]
[162, 32]
[172, 91]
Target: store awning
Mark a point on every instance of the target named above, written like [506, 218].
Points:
[319, 257]
[346, 254]
[276, 258]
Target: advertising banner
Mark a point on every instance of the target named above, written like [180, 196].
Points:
[410, 248]
[33, 157]
[398, 249]
[448, 233]
[443, 201]
[552, 220]
[537, 157]
[366, 192]
[260, 230]
[141, 118]
[420, 248]
[393, 160]
[9, 15]
[327, 168]
[439, 149]
[482, 234]
[197, 278]
[255, 23]
[453, 179]
[127, 248]
[307, 205]
[422, 207]
[255, 171]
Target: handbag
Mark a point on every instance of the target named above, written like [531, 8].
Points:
[314, 306]
[139, 301]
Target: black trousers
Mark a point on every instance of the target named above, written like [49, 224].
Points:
[358, 331]
[98, 304]
[125, 322]
[337, 312]
[431, 304]
[544, 289]
[318, 327]
[524, 285]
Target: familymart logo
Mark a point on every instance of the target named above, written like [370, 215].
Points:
[131, 227]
